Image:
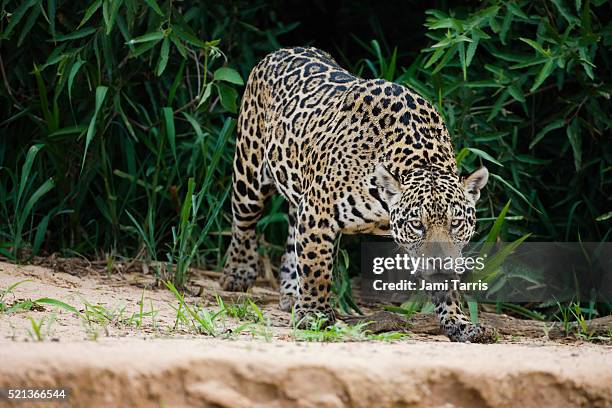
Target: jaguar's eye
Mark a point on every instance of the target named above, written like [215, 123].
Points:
[417, 225]
[456, 223]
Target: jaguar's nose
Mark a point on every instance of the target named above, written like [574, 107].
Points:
[437, 249]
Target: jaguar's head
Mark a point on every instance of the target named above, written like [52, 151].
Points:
[432, 210]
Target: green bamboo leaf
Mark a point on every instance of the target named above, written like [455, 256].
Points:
[153, 4]
[194, 124]
[437, 14]
[228, 96]
[461, 155]
[484, 155]
[110, 15]
[29, 24]
[575, 138]
[604, 217]
[514, 190]
[56, 56]
[546, 70]
[224, 134]
[73, 72]
[509, 56]
[586, 63]
[36, 196]
[91, 130]
[26, 170]
[379, 57]
[205, 94]
[169, 126]
[179, 45]
[494, 24]
[485, 83]
[450, 52]
[516, 10]
[446, 23]
[188, 37]
[488, 12]
[51, 11]
[70, 130]
[90, 12]
[567, 15]
[499, 103]
[163, 57]
[44, 101]
[551, 126]
[391, 68]
[17, 15]
[434, 57]
[177, 81]
[503, 32]
[585, 18]
[530, 63]
[124, 118]
[462, 60]
[532, 160]
[471, 49]
[536, 46]
[105, 11]
[442, 43]
[497, 225]
[123, 28]
[494, 262]
[516, 92]
[152, 36]
[75, 35]
[143, 48]
[186, 208]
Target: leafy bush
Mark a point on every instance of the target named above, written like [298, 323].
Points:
[525, 89]
[126, 103]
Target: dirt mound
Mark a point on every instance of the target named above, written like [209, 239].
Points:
[148, 359]
[195, 372]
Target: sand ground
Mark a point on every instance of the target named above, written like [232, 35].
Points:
[122, 360]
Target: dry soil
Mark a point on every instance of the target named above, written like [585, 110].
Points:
[153, 363]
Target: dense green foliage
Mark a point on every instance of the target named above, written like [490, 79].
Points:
[115, 111]
[529, 84]
[124, 103]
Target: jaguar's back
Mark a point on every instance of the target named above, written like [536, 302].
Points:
[307, 106]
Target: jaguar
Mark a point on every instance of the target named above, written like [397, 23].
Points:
[349, 155]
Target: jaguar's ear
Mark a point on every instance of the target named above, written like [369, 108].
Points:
[475, 182]
[387, 183]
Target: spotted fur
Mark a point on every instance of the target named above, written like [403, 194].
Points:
[350, 156]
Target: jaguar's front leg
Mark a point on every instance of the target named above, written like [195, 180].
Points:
[315, 236]
[288, 269]
[455, 324]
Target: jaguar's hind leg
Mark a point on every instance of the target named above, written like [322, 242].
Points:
[252, 184]
[242, 264]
